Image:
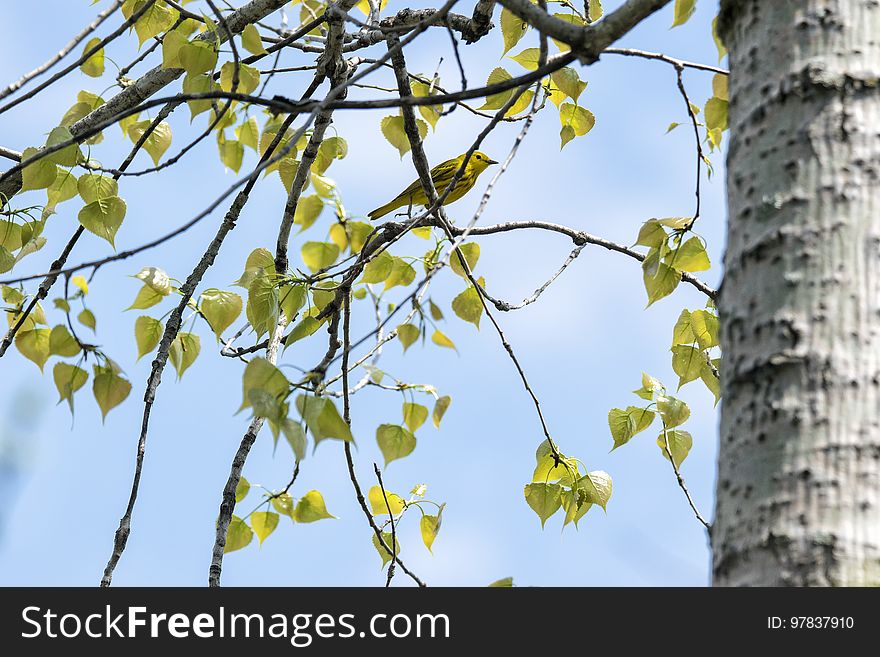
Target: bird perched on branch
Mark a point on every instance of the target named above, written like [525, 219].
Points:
[441, 176]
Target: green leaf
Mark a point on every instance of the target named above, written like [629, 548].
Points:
[63, 189]
[497, 101]
[231, 152]
[10, 235]
[684, 9]
[414, 415]
[308, 209]
[576, 505]
[238, 536]
[663, 282]
[522, 102]
[258, 263]
[146, 297]
[103, 217]
[513, 28]
[69, 155]
[439, 338]
[431, 113]
[311, 507]
[248, 133]
[296, 438]
[319, 255]
[378, 505]
[172, 42]
[94, 65]
[264, 523]
[34, 345]
[183, 352]
[95, 187]
[62, 343]
[323, 294]
[504, 583]
[109, 388]
[625, 424]
[156, 143]
[690, 256]
[155, 20]
[322, 418]
[652, 234]
[220, 308]
[597, 486]
[568, 82]
[358, 231]
[198, 84]
[402, 273]
[248, 78]
[576, 122]
[440, 408]
[650, 386]
[283, 504]
[262, 305]
[709, 378]
[304, 328]
[682, 332]
[197, 57]
[429, 526]
[595, 10]
[388, 538]
[250, 39]
[716, 113]
[7, 260]
[687, 362]
[673, 411]
[38, 175]
[719, 44]
[705, 328]
[394, 132]
[720, 86]
[680, 443]
[379, 268]
[471, 253]
[87, 318]
[260, 374]
[68, 379]
[291, 299]
[546, 468]
[394, 441]
[407, 334]
[528, 58]
[469, 305]
[241, 490]
[544, 499]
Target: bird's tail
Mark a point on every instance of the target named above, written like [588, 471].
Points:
[382, 210]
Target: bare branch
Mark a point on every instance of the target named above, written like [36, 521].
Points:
[172, 326]
[586, 42]
[580, 237]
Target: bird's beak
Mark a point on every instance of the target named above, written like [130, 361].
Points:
[492, 162]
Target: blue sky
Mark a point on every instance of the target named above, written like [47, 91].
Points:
[65, 481]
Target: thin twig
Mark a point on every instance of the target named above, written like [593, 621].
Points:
[391, 517]
[346, 415]
[91, 27]
[681, 483]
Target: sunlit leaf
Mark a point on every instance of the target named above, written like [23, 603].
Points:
[394, 441]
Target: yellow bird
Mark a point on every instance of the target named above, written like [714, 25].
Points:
[441, 175]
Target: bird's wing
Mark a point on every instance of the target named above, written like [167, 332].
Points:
[443, 172]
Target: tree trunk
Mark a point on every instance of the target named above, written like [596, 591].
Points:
[798, 497]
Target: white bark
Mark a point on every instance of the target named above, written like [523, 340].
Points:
[798, 499]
